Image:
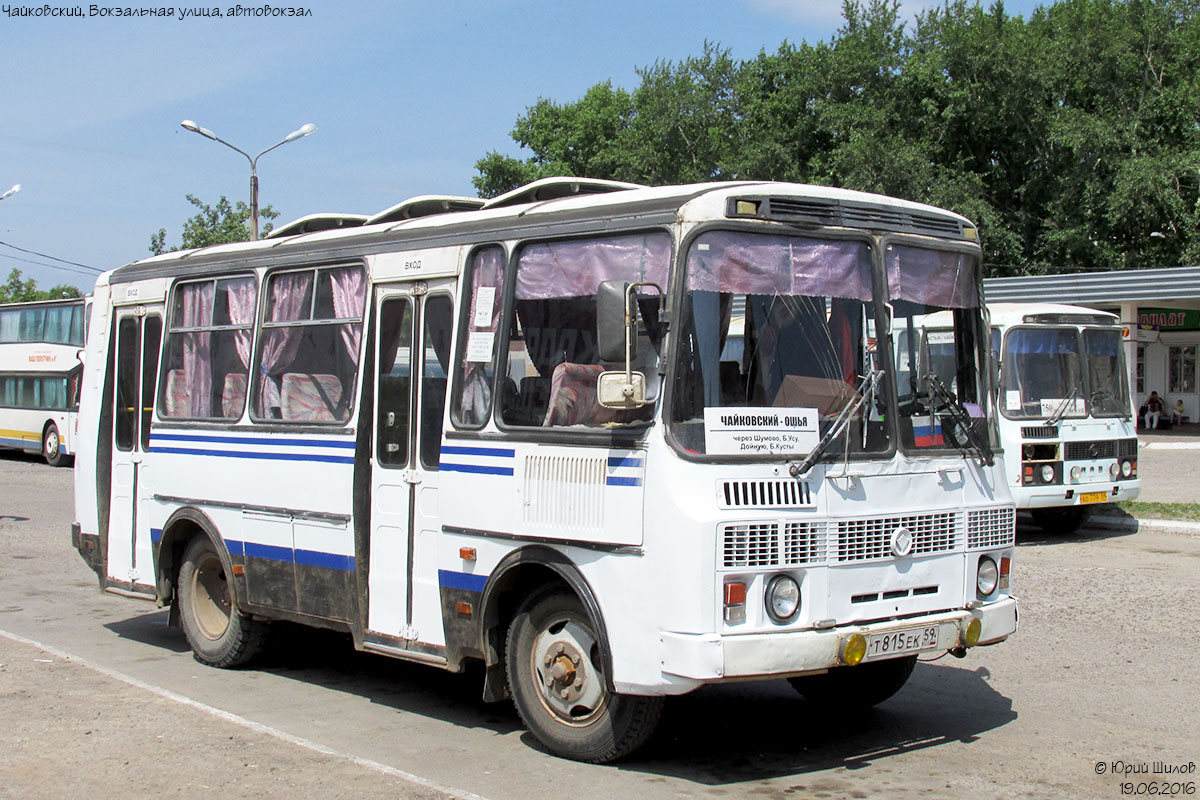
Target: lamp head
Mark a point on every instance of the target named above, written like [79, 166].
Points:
[301, 132]
[187, 124]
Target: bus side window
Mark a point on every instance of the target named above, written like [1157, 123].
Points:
[395, 381]
[311, 336]
[439, 321]
[476, 363]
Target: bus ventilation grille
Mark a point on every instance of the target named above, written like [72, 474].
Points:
[991, 527]
[564, 493]
[1082, 451]
[851, 215]
[868, 539]
[1128, 448]
[779, 493]
[772, 544]
[1040, 432]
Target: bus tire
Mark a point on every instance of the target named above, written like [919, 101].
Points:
[52, 446]
[552, 650]
[219, 634]
[861, 686]
[1067, 519]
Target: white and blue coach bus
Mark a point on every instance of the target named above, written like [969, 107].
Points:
[505, 432]
[40, 344]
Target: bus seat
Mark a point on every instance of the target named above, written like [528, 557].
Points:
[176, 398]
[233, 395]
[310, 397]
[573, 398]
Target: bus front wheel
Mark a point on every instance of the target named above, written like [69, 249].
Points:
[219, 634]
[554, 675]
[862, 686]
[52, 446]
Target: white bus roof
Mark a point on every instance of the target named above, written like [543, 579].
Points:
[533, 209]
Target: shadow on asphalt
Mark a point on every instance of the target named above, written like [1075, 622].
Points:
[715, 736]
[1118, 524]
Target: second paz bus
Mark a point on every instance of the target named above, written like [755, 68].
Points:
[1066, 414]
[515, 432]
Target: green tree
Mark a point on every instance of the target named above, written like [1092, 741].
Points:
[1068, 137]
[217, 224]
[18, 290]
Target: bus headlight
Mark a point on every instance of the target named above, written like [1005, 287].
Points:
[987, 577]
[1126, 468]
[1114, 470]
[1047, 473]
[783, 599]
[1076, 472]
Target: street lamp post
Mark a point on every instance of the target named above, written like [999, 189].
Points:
[302, 131]
[16, 188]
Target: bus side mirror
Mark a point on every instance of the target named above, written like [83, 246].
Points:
[613, 317]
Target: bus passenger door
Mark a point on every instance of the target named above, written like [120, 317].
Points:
[130, 558]
[411, 367]
[391, 476]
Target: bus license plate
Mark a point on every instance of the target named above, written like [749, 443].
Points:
[910, 640]
[1093, 497]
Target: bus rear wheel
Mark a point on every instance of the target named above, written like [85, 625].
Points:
[52, 446]
[861, 686]
[219, 634]
[557, 684]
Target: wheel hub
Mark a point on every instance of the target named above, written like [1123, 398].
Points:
[570, 687]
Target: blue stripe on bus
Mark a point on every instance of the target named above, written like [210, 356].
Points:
[187, 437]
[315, 558]
[267, 551]
[476, 469]
[480, 451]
[311, 558]
[260, 455]
[624, 461]
[462, 580]
[614, 481]
[156, 534]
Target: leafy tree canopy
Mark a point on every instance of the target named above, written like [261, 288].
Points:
[19, 290]
[217, 224]
[1069, 137]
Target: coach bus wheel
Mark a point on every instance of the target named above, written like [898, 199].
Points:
[555, 678]
[219, 634]
[52, 446]
[860, 686]
[1060, 520]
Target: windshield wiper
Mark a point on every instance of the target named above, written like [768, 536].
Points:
[962, 420]
[1061, 410]
[864, 389]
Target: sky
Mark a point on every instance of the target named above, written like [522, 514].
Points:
[406, 97]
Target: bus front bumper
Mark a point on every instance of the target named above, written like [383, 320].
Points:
[1081, 494]
[714, 658]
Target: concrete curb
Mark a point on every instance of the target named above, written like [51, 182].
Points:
[1134, 524]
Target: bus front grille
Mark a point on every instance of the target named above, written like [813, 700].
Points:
[1082, 451]
[991, 527]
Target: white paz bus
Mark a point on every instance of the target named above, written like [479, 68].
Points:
[1066, 415]
[1065, 409]
[40, 345]
[505, 432]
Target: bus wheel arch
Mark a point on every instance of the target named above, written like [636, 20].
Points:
[196, 571]
[521, 575]
[562, 687]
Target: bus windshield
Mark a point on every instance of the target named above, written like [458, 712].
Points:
[1042, 373]
[1108, 382]
[776, 341]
